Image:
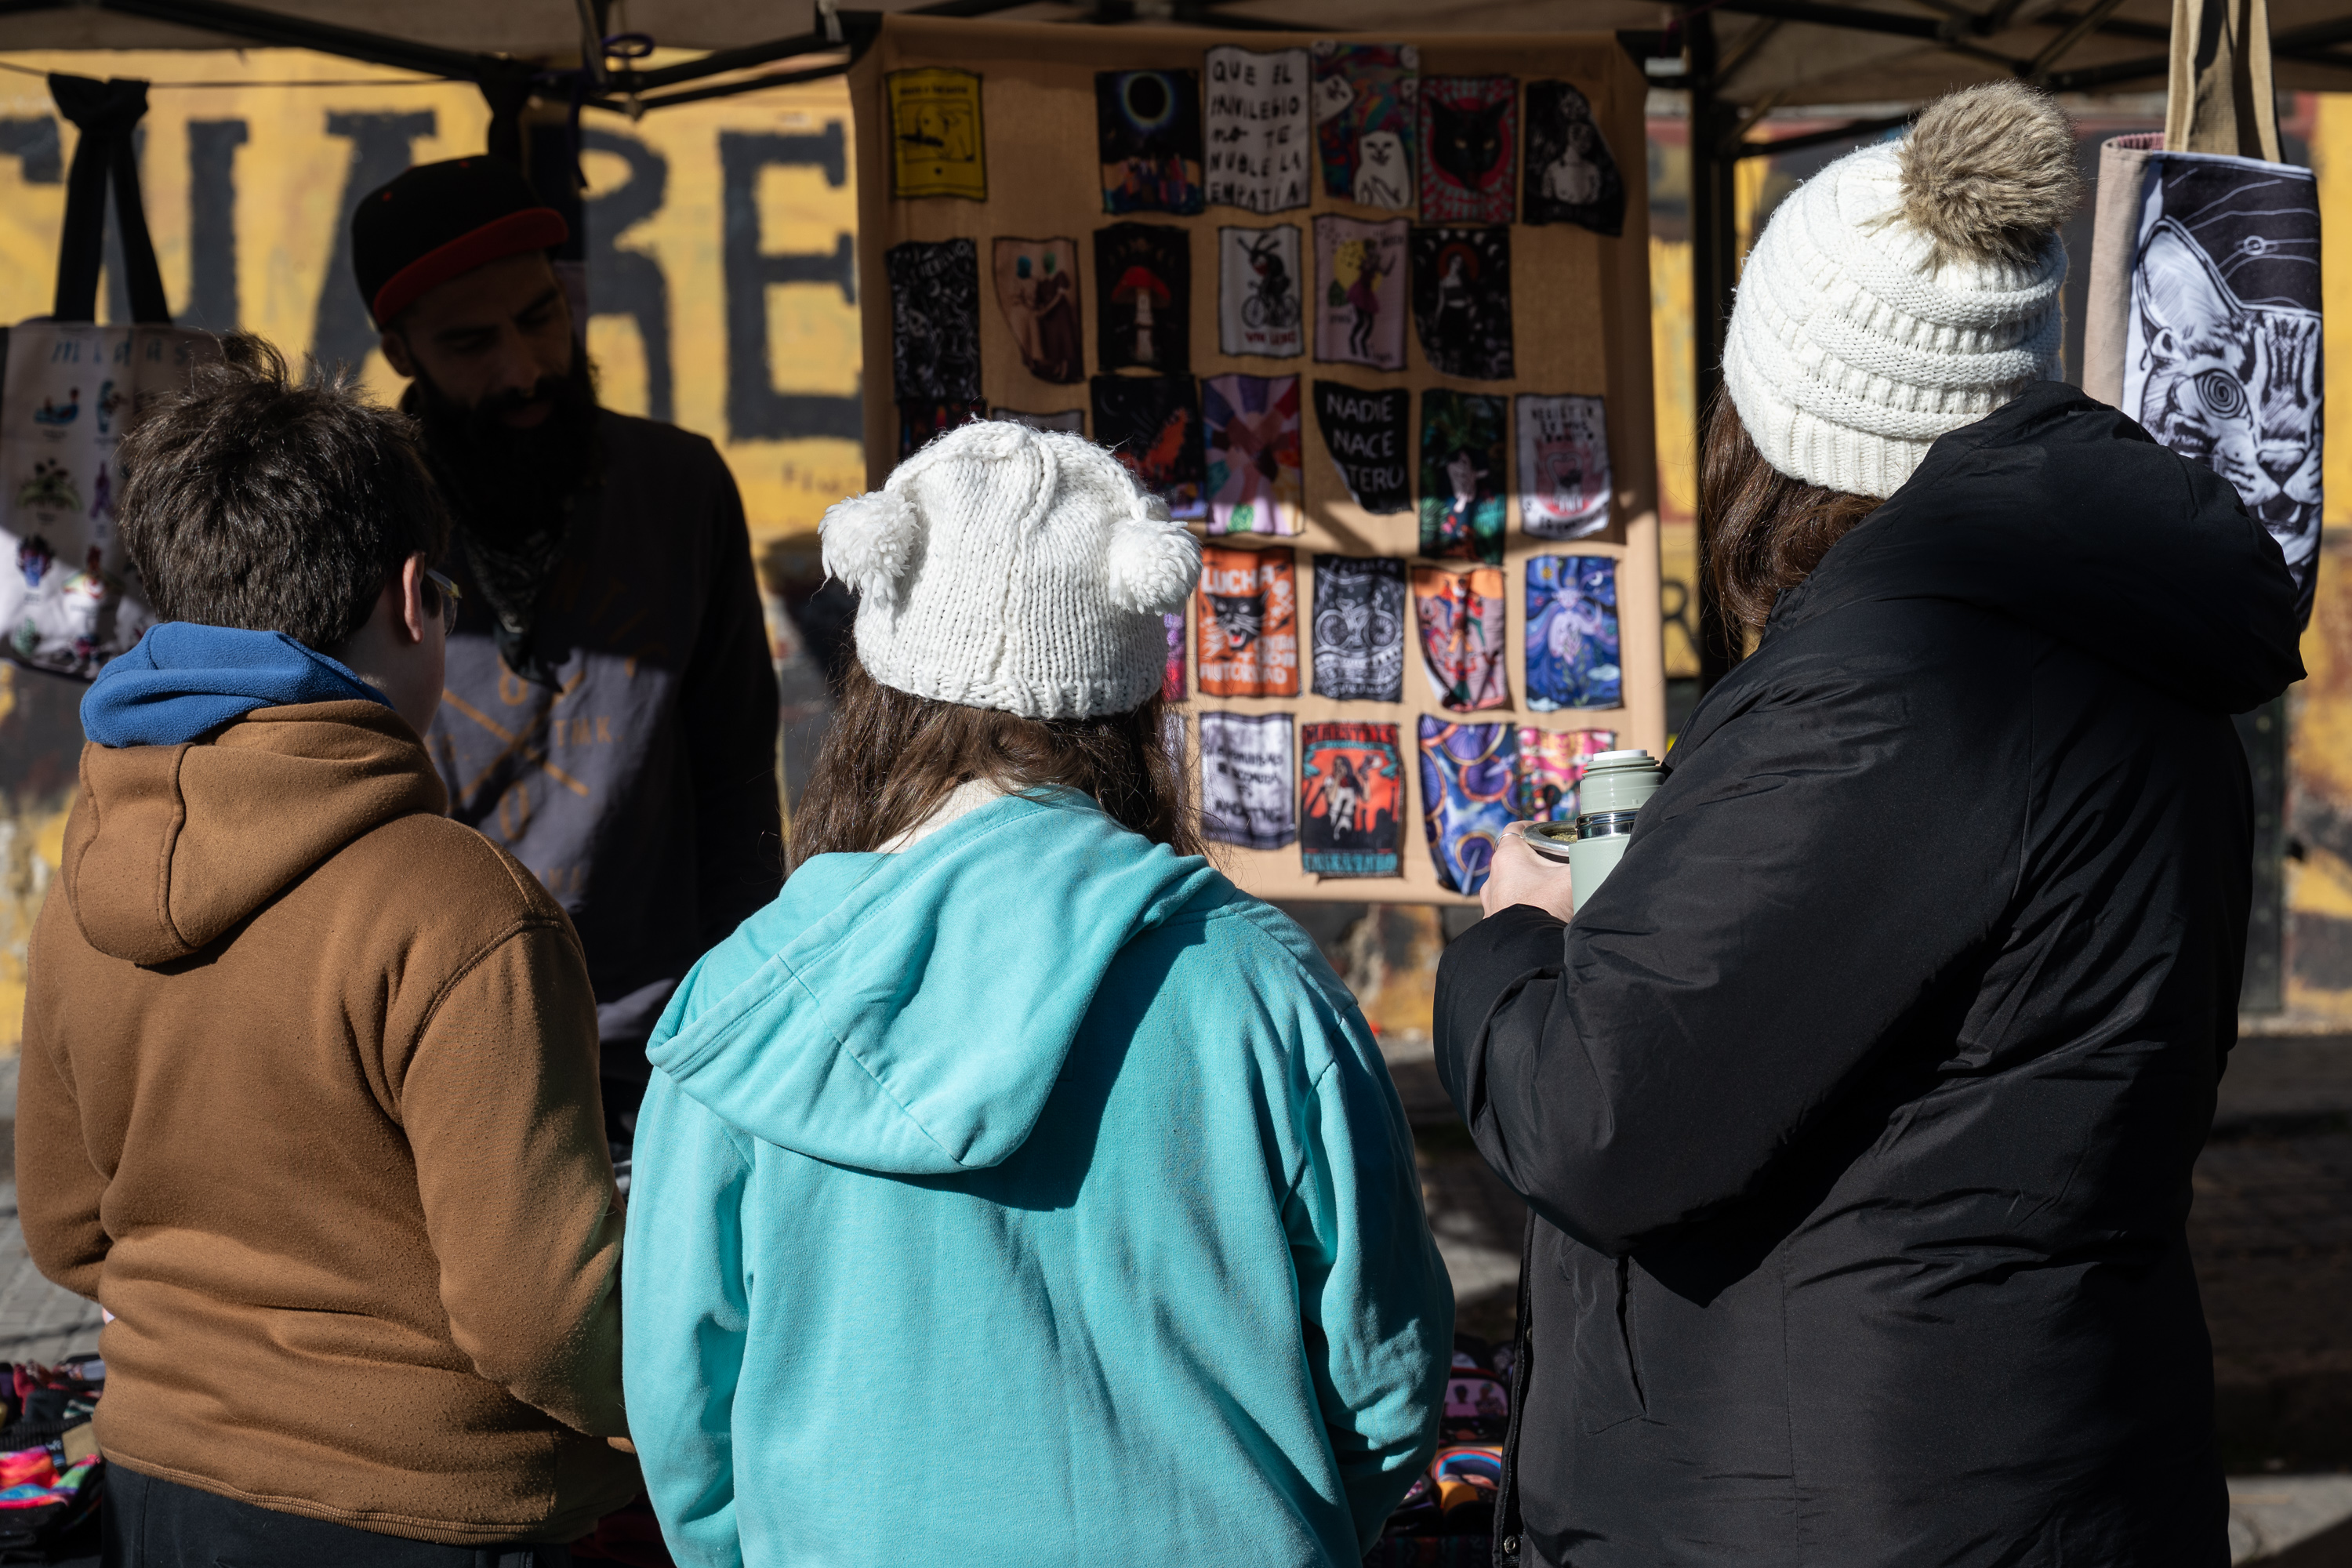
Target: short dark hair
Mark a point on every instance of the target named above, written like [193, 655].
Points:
[249, 501]
[1765, 532]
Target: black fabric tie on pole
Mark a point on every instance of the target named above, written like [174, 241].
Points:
[106, 114]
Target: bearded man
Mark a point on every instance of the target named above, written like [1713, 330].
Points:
[610, 716]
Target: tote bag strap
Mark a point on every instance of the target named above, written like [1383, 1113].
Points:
[2220, 98]
[106, 114]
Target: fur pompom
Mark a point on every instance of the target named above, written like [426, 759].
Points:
[871, 540]
[1988, 173]
[1153, 565]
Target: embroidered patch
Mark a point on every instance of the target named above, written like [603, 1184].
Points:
[1551, 764]
[1573, 632]
[1465, 794]
[1359, 628]
[1245, 780]
[1564, 466]
[1143, 297]
[1572, 178]
[1351, 800]
[1149, 126]
[1360, 309]
[1152, 423]
[1469, 149]
[1251, 424]
[1365, 96]
[1462, 635]
[1038, 290]
[1072, 421]
[1258, 129]
[1462, 301]
[1248, 610]
[1462, 476]
[1172, 677]
[1366, 432]
[920, 422]
[935, 145]
[934, 321]
[1258, 301]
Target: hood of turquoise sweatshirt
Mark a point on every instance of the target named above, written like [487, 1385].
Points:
[910, 1013]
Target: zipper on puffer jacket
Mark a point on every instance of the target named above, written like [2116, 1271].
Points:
[1508, 1536]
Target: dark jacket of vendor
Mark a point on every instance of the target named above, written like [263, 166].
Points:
[1857, 1109]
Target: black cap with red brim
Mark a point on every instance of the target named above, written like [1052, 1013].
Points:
[440, 221]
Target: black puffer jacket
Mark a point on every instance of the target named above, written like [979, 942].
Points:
[1858, 1110]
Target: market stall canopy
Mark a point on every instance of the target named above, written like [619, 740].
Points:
[1772, 52]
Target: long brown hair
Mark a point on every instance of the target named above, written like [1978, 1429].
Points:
[891, 758]
[1766, 532]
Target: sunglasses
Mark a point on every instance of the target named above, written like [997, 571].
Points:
[442, 600]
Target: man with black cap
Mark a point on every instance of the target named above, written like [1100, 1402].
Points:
[610, 716]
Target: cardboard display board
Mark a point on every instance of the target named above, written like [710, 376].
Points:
[1103, 228]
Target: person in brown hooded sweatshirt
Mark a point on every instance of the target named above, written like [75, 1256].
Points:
[308, 1098]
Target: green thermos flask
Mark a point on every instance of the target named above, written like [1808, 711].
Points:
[1614, 785]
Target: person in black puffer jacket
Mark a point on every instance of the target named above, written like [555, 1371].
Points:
[1856, 1112]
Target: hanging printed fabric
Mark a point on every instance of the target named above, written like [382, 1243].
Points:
[1462, 635]
[1469, 149]
[1365, 96]
[1152, 423]
[1248, 618]
[1366, 432]
[1251, 425]
[1258, 283]
[1143, 297]
[935, 320]
[1071, 421]
[935, 145]
[1572, 633]
[1149, 125]
[1359, 628]
[1466, 771]
[1038, 290]
[1361, 300]
[1351, 800]
[1462, 301]
[1564, 466]
[1551, 764]
[1171, 677]
[1258, 129]
[2221, 356]
[1571, 177]
[1462, 476]
[920, 422]
[1246, 793]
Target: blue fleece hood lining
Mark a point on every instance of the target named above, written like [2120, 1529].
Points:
[183, 679]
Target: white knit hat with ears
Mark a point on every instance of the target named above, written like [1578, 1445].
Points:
[1015, 569]
[1906, 290]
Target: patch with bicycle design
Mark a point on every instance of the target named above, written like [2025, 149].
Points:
[1260, 308]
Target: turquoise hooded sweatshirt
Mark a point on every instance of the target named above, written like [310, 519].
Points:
[1030, 1197]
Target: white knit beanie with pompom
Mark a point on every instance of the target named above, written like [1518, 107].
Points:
[1015, 569]
[1908, 289]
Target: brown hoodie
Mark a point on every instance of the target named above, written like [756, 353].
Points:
[309, 1102]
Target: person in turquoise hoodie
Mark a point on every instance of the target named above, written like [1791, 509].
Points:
[1014, 1189]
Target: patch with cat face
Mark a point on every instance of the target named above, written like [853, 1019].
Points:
[1366, 113]
[1572, 660]
[1152, 423]
[1463, 636]
[1467, 774]
[1038, 290]
[1144, 298]
[1463, 460]
[2223, 359]
[1247, 620]
[1563, 485]
[1258, 129]
[1469, 149]
[1359, 628]
[1351, 800]
[1246, 793]
[1261, 303]
[1250, 425]
[1462, 301]
[1571, 178]
[1551, 767]
[920, 422]
[1367, 432]
[934, 321]
[1361, 298]
[1147, 124]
